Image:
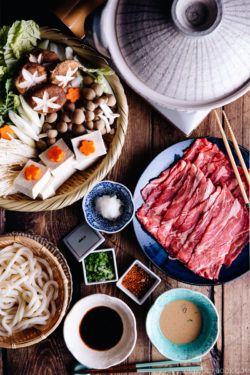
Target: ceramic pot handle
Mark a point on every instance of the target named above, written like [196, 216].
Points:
[73, 14]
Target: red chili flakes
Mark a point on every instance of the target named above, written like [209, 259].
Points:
[137, 281]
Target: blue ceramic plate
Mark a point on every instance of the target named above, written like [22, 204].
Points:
[154, 250]
[95, 220]
[197, 348]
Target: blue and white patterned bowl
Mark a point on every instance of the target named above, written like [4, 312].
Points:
[197, 348]
[95, 220]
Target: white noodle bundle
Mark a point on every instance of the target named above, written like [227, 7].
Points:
[27, 290]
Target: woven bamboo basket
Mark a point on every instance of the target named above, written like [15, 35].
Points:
[81, 182]
[61, 273]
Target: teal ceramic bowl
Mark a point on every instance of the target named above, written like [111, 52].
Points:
[197, 348]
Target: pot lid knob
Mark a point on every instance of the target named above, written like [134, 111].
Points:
[196, 17]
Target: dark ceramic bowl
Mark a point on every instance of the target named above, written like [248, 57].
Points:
[95, 219]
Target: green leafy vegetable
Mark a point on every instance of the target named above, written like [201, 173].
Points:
[3, 71]
[22, 37]
[3, 40]
[107, 71]
[100, 266]
[8, 101]
[16, 40]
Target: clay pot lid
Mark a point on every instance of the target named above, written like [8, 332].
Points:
[185, 54]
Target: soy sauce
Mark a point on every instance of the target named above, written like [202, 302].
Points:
[101, 328]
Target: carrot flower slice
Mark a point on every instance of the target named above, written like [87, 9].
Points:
[87, 147]
[56, 154]
[6, 132]
[32, 172]
[73, 94]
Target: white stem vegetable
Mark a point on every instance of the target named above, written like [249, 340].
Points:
[69, 53]
[32, 115]
[58, 49]
[23, 137]
[23, 125]
[22, 113]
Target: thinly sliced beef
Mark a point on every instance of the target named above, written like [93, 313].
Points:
[201, 190]
[145, 192]
[173, 211]
[202, 193]
[151, 211]
[198, 146]
[153, 217]
[215, 165]
[194, 238]
[234, 186]
[209, 255]
[156, 186]
[240, 239]
[189, 225]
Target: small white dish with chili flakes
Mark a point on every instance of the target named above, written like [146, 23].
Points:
[138, 282]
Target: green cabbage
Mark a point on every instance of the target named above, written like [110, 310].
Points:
[22, 37]
[15, 41]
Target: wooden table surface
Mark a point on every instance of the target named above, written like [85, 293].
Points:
[148, 134]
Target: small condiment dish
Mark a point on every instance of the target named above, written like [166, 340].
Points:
[195, 349]
[85, 273]
[96, 220]
[155, 283]
[99, 359]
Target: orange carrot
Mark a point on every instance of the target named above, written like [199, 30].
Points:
[55, 154]
[6, 132]
[87, 147]
[32, 172]
[73, 94]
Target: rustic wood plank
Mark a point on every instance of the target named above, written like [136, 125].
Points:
[236, 313]
[234, 113]
[246, 121]
[237, 326]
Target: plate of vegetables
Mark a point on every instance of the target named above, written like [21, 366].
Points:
[63, 118]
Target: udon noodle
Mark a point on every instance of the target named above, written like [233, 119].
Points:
[27, 290]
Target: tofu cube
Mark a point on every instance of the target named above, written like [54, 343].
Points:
[58, 168]
[84, 161]
[56, 181]
[48, 191]
[32, 188]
